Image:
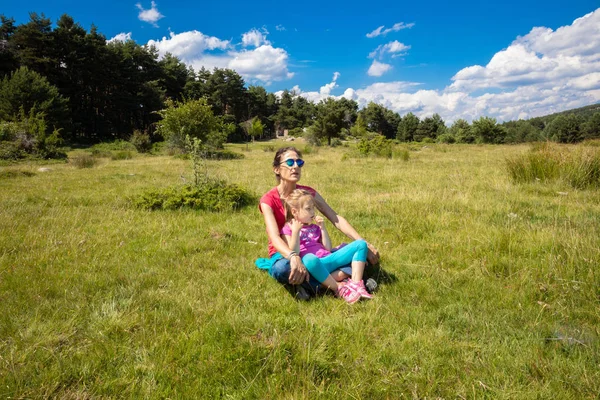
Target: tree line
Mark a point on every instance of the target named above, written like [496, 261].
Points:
[88, 90]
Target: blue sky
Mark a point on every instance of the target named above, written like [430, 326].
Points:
[510, 59]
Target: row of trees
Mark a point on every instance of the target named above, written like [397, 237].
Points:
[93, 90]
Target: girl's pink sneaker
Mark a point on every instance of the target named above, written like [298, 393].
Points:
[348, 292]
[360, 288]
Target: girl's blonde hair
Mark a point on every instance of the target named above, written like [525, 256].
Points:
[296, 200]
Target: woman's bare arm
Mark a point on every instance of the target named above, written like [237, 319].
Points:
[344, 226]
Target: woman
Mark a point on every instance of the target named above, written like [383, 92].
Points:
[284, 264]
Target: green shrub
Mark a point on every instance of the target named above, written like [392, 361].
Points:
[583, 169]
[83, 161]
[141, 141]
[193, 118]
[121, 155]
[15, 174]
[211, 195]
[446, 138]
[108, 147]
[377, 146]
[8, 131]
[309, 149]
[10, 151]
[296, 132]
[269, 148]
[580, 167]
[335, 142]
[223, 155]
[401, 154]
[100, 153]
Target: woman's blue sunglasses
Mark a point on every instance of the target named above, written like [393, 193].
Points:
[290, 162]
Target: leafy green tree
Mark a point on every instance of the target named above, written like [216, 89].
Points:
[25, 90]
[407, 128]
[486, 130]
[33, 44]
[253, 127]
[8, 59]
[330, 119]
[462, 132]
[592, 127]
[227, 94]
[350, 111]
[381, 120]
[359, 129]
[565, 129]
[193, 118]
[521, 131]
[430, 127]
[287, 117]
[175, 76]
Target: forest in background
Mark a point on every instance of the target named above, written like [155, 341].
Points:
[60, 83]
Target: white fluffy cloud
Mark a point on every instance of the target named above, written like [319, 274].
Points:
[377, 68]
[121, 37]
[544, 58]
[380, 31]
[543, 72]
[323, 93]
[255, 38]
[265, 63]
[152, 15]
[188, 45]
[394, 48]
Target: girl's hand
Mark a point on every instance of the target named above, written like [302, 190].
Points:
[295, 225]
[319, 221]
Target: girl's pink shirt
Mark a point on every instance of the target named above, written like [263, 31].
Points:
[310, 240]
[271, 198]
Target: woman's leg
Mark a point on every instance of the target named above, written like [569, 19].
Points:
[280, 270]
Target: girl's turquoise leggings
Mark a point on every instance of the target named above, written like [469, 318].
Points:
[320, 268]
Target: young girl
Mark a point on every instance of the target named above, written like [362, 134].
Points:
[312, 243]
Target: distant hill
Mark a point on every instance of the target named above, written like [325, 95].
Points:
[585, 112]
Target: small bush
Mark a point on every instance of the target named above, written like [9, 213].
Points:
[296, 132]
[446, 138]
[10, 151]
[269, 148]
[15, 174]
[100, 153]
[583, 169]
[141, 141]
[223, 155]
[580, 168]
[309, 149]
[335, 142]
[121, 155]
[401, 154]
[83, 161]
[159, 148]
[117, 145]
[377, 146]
[212, 195]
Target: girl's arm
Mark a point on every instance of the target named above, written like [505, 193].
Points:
[293, 240]
[344, 226]
[298, 272]
[325, 240]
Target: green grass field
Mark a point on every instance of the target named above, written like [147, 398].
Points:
[487, 289]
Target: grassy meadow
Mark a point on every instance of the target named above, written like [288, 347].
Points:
[487, 289]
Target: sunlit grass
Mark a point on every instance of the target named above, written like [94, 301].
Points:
[488, 289]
